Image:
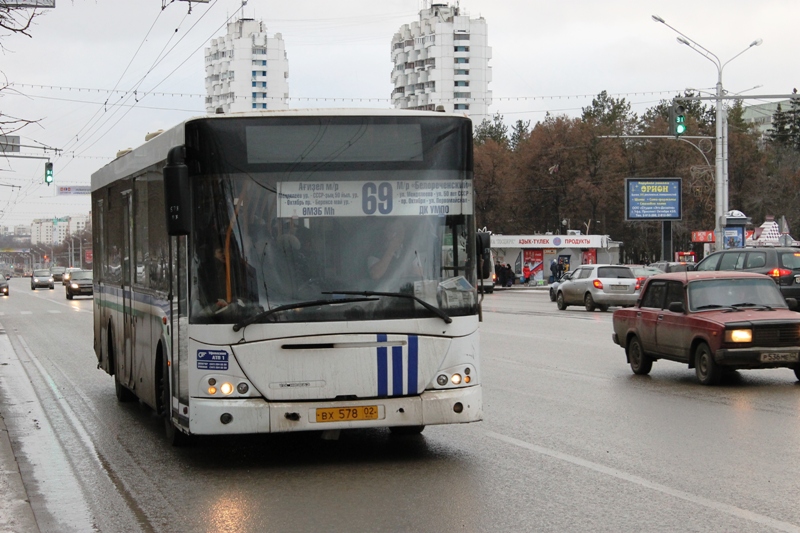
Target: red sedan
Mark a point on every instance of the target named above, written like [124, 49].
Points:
[710, 321]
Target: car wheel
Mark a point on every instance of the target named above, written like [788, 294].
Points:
[588, 302]
[560, 303]
[708, 371]
[603, 308]
[52, 287]
[69, 296]
[33, 288]
[552, 295]
[641, 363]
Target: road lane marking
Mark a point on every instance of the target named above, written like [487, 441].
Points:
[692, 498]
[26, 312]
[54, 311]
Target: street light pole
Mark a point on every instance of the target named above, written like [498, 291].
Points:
[720, 166]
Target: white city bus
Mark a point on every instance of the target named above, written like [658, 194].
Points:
[292, 271]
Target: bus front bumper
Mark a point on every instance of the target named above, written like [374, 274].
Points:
[254, 415]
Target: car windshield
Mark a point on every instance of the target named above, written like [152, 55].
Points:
[83, 274]
[615, 272]
[41, 273]
[58, 270]
[734, 292]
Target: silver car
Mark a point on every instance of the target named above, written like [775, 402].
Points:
[598, 287]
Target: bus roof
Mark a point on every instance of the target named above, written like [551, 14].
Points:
[155, 150]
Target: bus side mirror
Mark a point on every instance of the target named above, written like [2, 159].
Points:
[484, 255]
[176, 193]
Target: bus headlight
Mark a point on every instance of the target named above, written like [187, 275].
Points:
[456, 379]
[739, 335]
[226, 389]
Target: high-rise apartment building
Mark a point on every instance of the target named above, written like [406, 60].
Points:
[443, 60]
[246, 70]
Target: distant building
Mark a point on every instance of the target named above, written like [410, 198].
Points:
[761, 114]
[54, 231]
[443, 60]
[246, 70]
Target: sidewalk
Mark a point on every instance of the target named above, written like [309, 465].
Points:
[16, 514]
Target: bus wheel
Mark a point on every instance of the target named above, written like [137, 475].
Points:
[406, 430]
[175, 437]
[123, 393]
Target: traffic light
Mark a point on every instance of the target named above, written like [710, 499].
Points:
[677, 120]
[48, 173]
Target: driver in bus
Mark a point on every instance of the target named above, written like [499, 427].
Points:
[393, 258]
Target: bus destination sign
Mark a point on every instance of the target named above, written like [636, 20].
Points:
[652, 198]
[374, 198]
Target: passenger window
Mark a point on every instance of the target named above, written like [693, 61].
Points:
[585, 273]
[790, 260]
[654, 296]
[756, 260]
[709, 263]
[731, 261]
[674, 293]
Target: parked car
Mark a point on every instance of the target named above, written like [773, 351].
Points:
[782, 264]
[673, 266]
[554, 286]
[57, 272]
[80, 284]
[67, 273]
[710, 321]
[598, 286]
[42, 278]
[3, 287]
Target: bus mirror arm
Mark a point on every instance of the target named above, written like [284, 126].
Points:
[177, 193]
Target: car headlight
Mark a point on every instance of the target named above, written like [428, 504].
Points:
[739, 335]
[74, 285]
[36, 280]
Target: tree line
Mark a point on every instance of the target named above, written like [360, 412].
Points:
[530, 179]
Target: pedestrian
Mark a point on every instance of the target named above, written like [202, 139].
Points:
[502, 275]
[560, 268]
[510, 276]
[526, 273]
[553, 271]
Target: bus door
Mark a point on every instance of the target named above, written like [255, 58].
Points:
[126, 284]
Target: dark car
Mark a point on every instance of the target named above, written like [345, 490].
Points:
[80, 284]
[782, 264]
[710, 321]
[42, 278]
[67, 274]
[3, 287]
[58, 273]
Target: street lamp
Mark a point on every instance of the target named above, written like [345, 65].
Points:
[720, 179]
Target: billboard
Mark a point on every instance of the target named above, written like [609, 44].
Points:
[652, 199]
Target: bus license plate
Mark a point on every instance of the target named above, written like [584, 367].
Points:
[346, 414]
[779, 357]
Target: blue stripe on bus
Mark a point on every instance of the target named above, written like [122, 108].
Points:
[383, 368]
[397, 370]
[413, 362]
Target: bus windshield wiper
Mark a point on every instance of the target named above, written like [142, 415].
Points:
[435, 310]
[313, 303]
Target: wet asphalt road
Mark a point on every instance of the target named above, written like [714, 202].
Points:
[571, 441]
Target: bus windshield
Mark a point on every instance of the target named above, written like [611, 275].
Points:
[307, 214]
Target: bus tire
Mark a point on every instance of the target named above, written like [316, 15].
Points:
[406, 430]
[123, 393]
[175, 437]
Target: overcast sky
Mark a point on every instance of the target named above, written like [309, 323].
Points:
[546, 56]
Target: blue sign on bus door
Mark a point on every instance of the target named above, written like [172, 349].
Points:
[212, 360]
